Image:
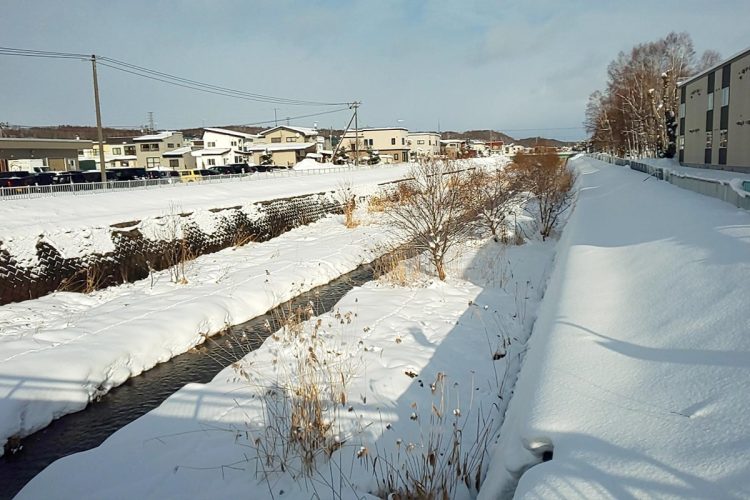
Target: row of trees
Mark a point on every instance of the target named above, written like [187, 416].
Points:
[636, 113]
[441, 204]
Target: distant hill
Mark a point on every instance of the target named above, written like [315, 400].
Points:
[88, 132]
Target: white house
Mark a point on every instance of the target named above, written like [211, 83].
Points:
[237, 143]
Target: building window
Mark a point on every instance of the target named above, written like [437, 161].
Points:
[130, 150]
[368, 142]
[152, 162]
[725, 96]
[681, 142]
[723, 138]
[682, 110]
[419, 143]
[211, 162]
[710, 101]
[234, 143]
[393, 142]
[709, 139]
[174, 164]
[238, 159]
[170, 145]
[149, 147]
[116, 151]
[211, 145]
[291, 139]
[403, 141]
[395, 157]
[275, 139]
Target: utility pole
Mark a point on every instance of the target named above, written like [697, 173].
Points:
[102, 165]
[355, 105]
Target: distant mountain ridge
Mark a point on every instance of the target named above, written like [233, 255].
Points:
[89, 132]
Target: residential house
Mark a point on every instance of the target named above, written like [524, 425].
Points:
[714, 116]
[477, 148]
[390, 143]
[513, 149]
[151, 148]
[423, 144]
[287, 145]
[236, 142]
[212, 157]
[118, 152]
[453, 148]
[180, 158]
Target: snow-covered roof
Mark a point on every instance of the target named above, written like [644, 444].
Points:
[178, 152]
[452, 141]
[154, 137]
[281, 146]
[234, 133]
[301, 130]
[211, 151]
[424, 133]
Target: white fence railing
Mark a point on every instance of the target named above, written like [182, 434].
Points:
[86, 188]
[734, 192]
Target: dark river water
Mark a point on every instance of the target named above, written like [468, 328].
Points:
[90, 427]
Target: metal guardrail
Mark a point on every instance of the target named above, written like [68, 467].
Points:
[87, 188]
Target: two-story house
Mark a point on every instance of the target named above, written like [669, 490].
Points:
[286, 145]
[423, 144]
[390, 143]
[236, 142]
[150, 148]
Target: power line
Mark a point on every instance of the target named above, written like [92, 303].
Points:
[296, 117]
[167, 78]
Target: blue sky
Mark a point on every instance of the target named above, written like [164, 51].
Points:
[526, 67]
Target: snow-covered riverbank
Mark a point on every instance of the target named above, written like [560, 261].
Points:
[417, 359]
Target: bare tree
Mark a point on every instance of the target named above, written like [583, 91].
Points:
[550, 180]
[434, 214]
[491, 195]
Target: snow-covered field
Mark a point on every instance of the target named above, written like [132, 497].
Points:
[417, 359]
[23, 217]
[60, 351]
[637, 371]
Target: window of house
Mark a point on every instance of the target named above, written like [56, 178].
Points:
[234, 143]
[211, 161]
[170, 145]
[403, 141]
[238, 159]
[116, 151]
[275, 139]
[393, 142]
[682, 110]
[725, 96]
[152, 161]
[291, 139]
[681, 142]
[709, 139]
[723, 138]
[211, 145]
[395, 157]
[174, 163]
[420, 142]
[145, 147]
[710, 101]
[129, 150]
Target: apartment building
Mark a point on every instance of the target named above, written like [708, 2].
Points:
[714, 116]
[390, 143]
[423, 144]
[151, 148]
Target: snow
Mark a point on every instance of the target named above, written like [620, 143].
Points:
[637, 370]
[27, 218]
[60, 351]
[154, 137]
[412, 351]
[699, 173]
[311, 164]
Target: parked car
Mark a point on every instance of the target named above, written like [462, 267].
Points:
[172, 175]
[20, 178]
[129, 173]
[44, 178]
[223, 169]
[242, 168]
[69, 177]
